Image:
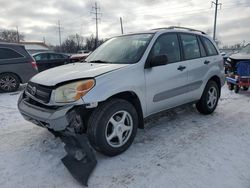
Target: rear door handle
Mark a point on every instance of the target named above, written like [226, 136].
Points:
[206, 62]
[181, 68]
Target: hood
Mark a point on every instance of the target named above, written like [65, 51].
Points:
[240, 56]
[73, 71]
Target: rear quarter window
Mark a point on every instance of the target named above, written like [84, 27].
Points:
[211, 50]
[6, 53]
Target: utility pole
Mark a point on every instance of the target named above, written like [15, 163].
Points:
[215, 17]
[59, 34]
[121, 25]
[96, 13]
[17, 33]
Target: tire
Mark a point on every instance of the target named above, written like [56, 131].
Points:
[230, 86]
[9, 82]
[236, 89]
[100, 127]
[245, 88]
[209, 99]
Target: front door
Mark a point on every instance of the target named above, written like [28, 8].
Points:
[166, 84]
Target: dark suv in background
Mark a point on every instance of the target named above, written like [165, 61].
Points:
[16, 66]
[48, 60]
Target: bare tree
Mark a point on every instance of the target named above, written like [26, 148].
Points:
[11, 36]
[74, 43]
[90, 43]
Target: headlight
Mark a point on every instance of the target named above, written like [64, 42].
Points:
[73, 91]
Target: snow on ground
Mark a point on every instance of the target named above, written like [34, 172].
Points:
[181, 149]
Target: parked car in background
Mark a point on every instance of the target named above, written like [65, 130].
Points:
[225, 55]
[84, 52]
[16, 66]
[80, 56]
[47, 60]
[232, 60]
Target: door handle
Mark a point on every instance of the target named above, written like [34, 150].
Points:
[206, 62]
[181, 68]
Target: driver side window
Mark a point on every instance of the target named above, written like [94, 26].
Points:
[168, 45]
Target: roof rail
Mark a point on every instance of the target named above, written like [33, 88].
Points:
[179, 27]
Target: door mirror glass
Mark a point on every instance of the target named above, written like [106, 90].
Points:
[159, 60]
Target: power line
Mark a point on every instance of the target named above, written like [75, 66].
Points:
[96, 13]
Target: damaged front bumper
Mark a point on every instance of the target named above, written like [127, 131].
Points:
[55, 118]
[65, 123]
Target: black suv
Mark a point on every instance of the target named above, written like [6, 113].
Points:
[16, 66]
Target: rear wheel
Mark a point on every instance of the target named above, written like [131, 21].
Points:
[9, 82]
[112, 127]
[209, 98]
[245, 88]
[236, 89]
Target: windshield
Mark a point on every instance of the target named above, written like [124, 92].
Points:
[246, 49]
[126, 49]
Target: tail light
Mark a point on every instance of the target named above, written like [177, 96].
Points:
[33, 64]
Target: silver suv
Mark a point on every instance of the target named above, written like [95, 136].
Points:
[125, 80]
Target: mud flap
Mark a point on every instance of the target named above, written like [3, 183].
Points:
[80, 159]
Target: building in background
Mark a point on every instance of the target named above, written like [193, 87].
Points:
[34, 47]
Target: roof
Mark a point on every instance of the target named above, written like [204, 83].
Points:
[8, 44]
[35, 45]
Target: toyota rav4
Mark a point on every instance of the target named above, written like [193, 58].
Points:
[125, 80]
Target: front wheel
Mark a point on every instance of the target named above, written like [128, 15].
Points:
[209, 98]
[112, 127]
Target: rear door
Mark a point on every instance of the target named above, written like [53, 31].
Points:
[200, 60]
[166, 84]
[56, 60]
[198, 64]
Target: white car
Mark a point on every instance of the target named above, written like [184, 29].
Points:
[125, 80]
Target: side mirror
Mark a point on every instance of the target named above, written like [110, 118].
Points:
[159, 61]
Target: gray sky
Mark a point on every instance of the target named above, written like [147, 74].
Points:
[38, 19]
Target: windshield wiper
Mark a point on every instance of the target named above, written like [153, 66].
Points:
[98, 61]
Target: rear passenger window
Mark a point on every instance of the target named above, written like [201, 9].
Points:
[190, 46]
[211, 50]
[6, 53]
[55, 56]
[41, 57]
[202, 49]
[167, 45]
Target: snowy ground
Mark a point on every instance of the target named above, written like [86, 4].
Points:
[182, 149]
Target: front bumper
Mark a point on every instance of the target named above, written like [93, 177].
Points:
[56, 119]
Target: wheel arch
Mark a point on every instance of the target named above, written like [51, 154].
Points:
[217, 80]
[135, 101]
[20, 80]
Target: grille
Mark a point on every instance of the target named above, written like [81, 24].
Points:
[39, 92]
